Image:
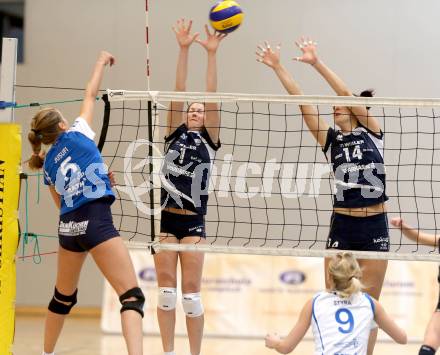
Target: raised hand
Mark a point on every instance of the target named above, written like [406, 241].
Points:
[267, 56]
[183, 33]
[212, 40]
[106, 58]
[308, 49]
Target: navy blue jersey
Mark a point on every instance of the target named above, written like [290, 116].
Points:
[358, 167]
[74, 166]
[186, 170]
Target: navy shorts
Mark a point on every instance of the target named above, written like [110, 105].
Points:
[88, 226]
[359, 233]
[182, 225]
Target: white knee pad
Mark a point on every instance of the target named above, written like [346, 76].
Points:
[167, 298]
[192, 304]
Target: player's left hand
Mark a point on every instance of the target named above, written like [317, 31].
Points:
[272, 340]
[309, 51]
[267, 56]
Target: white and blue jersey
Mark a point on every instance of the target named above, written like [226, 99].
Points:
[358, 167]
[186, 170]
[341, 326]
[74, 166]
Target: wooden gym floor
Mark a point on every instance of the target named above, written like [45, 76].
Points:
[82, 336]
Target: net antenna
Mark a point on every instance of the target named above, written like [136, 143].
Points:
[271, 188]
[147, 41]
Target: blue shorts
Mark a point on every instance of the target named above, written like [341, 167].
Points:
[88, 226]
[359, 233]
[182, 225]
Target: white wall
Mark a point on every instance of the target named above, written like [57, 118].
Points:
[391, 46]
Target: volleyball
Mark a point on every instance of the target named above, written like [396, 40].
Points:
[226, 16]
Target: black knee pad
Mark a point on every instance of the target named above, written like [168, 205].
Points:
[137, 305]
[56, 306]
[426, 350]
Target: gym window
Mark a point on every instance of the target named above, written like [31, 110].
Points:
[12, 23]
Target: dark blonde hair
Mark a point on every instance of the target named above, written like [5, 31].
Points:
[193, 103]
[344, 273]
[45, 129]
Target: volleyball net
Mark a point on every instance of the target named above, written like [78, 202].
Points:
[271, 189]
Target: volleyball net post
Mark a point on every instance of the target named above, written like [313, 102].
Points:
[10, 160]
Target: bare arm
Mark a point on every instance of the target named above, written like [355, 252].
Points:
[56, 198]
[414, 234]
[317, 125]
[290, 342]
[184, 39]
[92, 88]
[388, 325]
[212, 120]
[310, 56]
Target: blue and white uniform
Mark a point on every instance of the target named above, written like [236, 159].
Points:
[74, 166]
[185, 182]
[360, 181]
[341, 326]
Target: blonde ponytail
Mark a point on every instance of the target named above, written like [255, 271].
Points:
[35, 162]
[345, 274]
[45, 129]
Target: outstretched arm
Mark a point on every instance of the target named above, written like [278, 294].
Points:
[184, 39]
[317, 125]
[388, 325]
[290, 342]
[414, 234]
[211, 44]
[92, 89]
[310, 56]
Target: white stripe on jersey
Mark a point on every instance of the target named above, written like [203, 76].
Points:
[377, 141]
[353, 185]
[341, 325]
[211, 151]
[80, 125]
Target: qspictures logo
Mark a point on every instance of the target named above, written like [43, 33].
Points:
[2, 192]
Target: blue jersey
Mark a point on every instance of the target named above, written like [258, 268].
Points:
[74, 166]
[358, 167]
[187, 168]
[341, 326]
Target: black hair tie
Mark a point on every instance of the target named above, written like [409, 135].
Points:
[37, 133]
